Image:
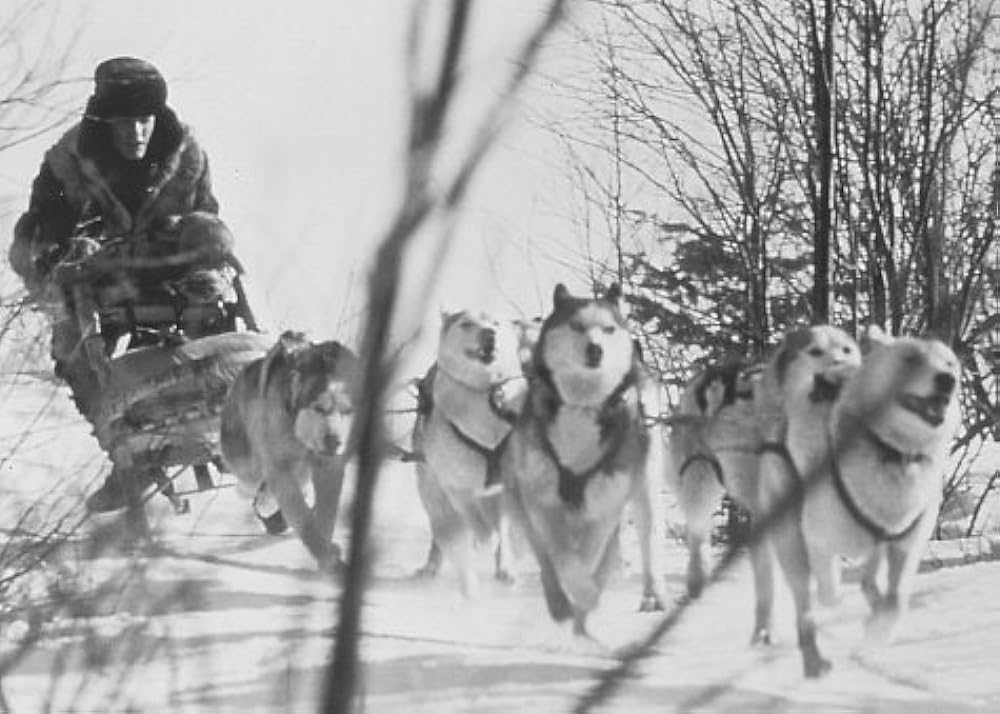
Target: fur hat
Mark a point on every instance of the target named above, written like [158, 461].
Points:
[127, 86]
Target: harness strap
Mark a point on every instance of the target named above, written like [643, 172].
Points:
[777, 447]
[572, 484]
[878, 532]
[492, 456]
[710, 460]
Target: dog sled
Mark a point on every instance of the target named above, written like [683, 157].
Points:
[161, 332]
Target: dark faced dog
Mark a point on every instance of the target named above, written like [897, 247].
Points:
[285, 424]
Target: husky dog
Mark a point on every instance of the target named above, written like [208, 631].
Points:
[714, 443]
[870, 469]
[285, 423]
[464, 419]
[732, 422]
[578, 454]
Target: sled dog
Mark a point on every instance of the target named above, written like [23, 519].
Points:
[578, 454]
[714, 442]
[731, 422]
[463, 422]
[285, 424]
[870, 466]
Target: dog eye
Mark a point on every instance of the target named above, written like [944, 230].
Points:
[609, 330]
[815, 352]
[577, 326]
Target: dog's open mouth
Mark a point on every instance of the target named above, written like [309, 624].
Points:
[931, 409]
[484, 353]
[824, 389]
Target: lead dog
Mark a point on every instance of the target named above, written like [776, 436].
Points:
[285, 425]
[463, 421]
[870, 468]
[731, 422]
[579, 453]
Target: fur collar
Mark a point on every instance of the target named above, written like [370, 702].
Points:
[86, 187]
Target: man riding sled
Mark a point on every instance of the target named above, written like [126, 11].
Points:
[122, 238]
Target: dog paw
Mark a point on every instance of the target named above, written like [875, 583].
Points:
[275, 524]
[580, 587]
[880, 628]
[425, 572]
[761, 638]
[505, 576]
[332, 563]
[333, 566]
[816, 667]
[650, 602]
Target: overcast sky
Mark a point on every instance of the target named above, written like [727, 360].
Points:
[300, 106]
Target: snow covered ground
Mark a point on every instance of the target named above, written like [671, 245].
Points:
[219, 617]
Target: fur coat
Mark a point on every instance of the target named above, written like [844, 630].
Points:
[74, 187]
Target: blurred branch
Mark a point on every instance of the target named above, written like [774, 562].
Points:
[421, 200]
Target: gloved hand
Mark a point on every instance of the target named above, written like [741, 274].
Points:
[71, 264]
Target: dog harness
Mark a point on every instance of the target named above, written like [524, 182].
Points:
[425, 405]
[729, 376]
[710, 460]
[877, 531]
[492, 456]
[614, 416]
[843, 493]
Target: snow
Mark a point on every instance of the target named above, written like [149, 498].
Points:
[217, 616]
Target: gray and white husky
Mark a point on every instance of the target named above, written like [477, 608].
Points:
[579, 453]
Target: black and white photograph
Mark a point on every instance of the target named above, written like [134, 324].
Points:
[500, 356]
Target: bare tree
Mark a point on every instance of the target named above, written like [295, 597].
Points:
[744, 170]
[821, 43]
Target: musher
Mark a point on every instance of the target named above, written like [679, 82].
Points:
[129, 174]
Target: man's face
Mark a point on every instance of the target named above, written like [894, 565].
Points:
[130, 135]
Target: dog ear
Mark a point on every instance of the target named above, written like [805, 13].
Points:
[793, 343]
[274, 357]
[279, 355]
[614, 293]
[560, 296]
